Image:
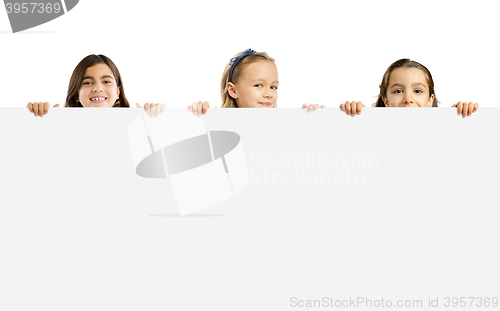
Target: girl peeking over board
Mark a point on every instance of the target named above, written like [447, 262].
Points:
[407, 83]
[95, 82]
[250, 80]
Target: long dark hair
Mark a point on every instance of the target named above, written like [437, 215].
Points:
[404, 63]
[77, 76]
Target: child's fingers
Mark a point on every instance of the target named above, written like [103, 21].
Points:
[56, 105]
[459, 107]
[41, 109]
[35, 109]
[150, 109]
[359, 107]
[194, 108]
[46, 107]
[205, 106]
[464, 108]
[137, 105]
[153, 108]
[348, 108]
[162, 108]
[158, 109]
[353, 109]
[323, 106]
[197, 109]
[470, 108]
[304, 106]
[38, 109]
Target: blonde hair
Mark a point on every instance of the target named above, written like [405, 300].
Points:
[227, 100]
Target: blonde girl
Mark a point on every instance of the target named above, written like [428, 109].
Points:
[250, 80]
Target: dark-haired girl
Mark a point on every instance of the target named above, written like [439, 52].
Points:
[407, 83]
[95, 82]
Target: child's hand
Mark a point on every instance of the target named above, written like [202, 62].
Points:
[466, 109]
[153, 110]
[352, 108]
[39, 109]
[199, 108]
[312, 106]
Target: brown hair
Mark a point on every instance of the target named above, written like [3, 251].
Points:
[404, 63]
[77, 76]
[228, 101]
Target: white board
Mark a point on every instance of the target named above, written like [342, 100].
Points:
[394, 204]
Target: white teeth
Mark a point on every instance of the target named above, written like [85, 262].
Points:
[98, 98]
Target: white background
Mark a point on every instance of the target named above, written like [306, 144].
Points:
[326, 51]
[80, 232]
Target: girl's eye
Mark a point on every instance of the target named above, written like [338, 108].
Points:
[86, 83]
[258, 85]
[107, 82]
[398, 91]
[418, 91]
[274, 87]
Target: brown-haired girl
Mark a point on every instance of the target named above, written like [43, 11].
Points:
[407, 83]
[95, 82]
[250, 80]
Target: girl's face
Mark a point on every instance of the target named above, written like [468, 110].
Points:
[408, 87]
[99, 87]
[257, 87]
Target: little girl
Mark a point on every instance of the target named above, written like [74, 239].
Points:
[407, 83]
[95, 82]
[250, 80]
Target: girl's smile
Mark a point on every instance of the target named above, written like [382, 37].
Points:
[257, 87]
[98, 87]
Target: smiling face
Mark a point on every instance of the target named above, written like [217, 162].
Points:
[257, 87]
[408, 87]
[98, 87]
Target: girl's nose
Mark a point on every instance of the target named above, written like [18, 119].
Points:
[408, 99]
[97, 88]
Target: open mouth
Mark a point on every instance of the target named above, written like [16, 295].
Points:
[98, 99]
